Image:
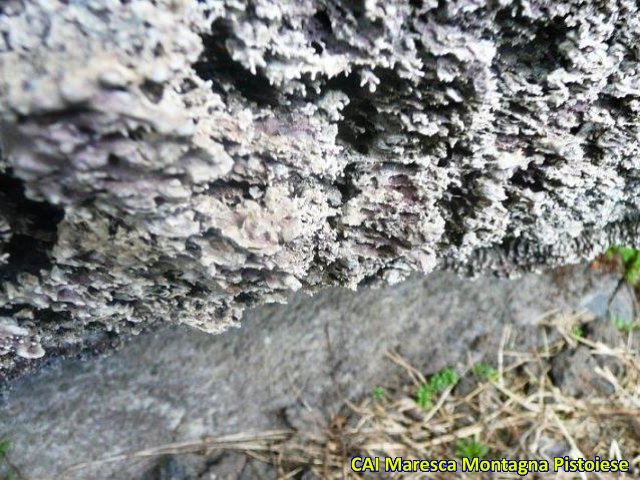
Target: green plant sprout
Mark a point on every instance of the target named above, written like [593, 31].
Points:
[471, 448]
[437, 383]
[378, 393]
[4, 447]
[5, 466]
[485, 371]
[577, 331]
[624, 325]
[630, 258]
[424, 397]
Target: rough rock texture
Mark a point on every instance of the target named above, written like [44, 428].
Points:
[175, 160]
[176, 385]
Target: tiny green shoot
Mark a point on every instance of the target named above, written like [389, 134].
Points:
[624, 325]
[437, 383]
[630, 258]
[4, 447]
[471, 448]
[5, 466]
[424, 397]
[378, 393]
[485, 371]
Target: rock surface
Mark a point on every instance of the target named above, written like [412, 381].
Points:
[174, 160]
[178, 385]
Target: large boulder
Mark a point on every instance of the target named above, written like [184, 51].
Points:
[178, 161]
[291, 366]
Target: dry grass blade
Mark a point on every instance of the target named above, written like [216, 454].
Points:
[246, 442]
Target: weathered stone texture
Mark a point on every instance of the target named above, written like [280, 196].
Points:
[179, 160]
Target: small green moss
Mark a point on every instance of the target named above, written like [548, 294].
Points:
[624, 325]
[471, 448]
[437, 383]
[5, 444]
[5, 467]
[445, 378]
[378, 393]
[485, 372]
[630, 258]
[424, 397]
[577, 331]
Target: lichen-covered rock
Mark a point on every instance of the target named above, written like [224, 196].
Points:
[174, 160]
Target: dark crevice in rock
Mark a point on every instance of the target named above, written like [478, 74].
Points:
[77, 114]
[537, 57]
[232, 190]
[346, 185]
[320, 25]
[33, 228]
[152, 90]
[459, 202]
[356, 127]
[534, 178]
[216, 64]
[531, 178]
[95, 342]
[619, 106]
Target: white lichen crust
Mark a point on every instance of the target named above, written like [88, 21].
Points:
[196, 158]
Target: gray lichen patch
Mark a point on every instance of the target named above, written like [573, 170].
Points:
[197, 158]
[19, 340]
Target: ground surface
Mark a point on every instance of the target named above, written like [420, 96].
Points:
[180, 384]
